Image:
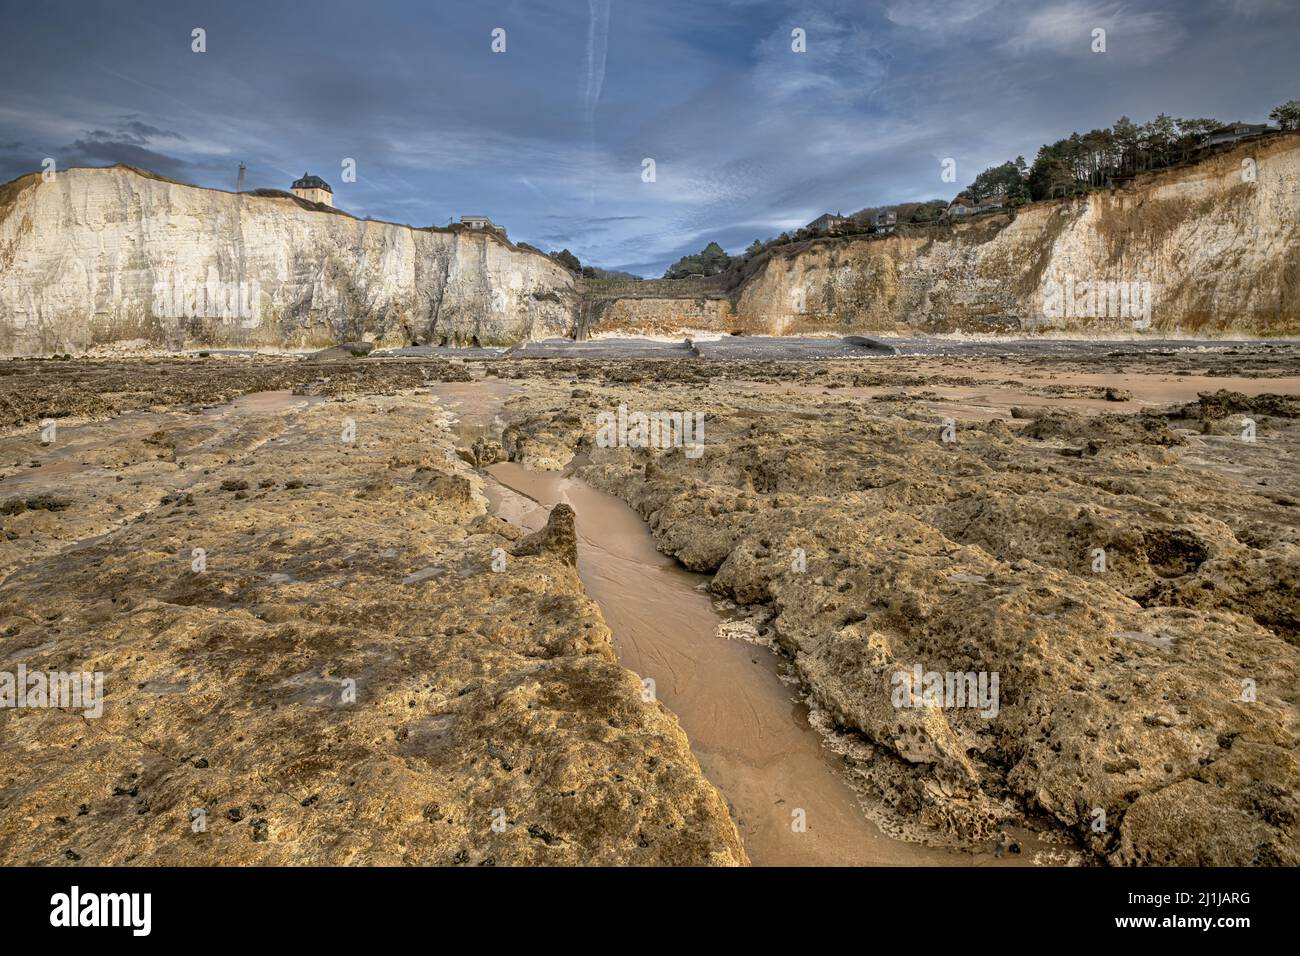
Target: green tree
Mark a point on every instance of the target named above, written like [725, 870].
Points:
[928, 211]
[567, 259]
[1287, 115]
[710, 261]
[1161, 134]
[1127, 137]
[1190, 134]
[1052, 174]
[1005, 180]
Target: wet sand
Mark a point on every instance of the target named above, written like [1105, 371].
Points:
[1004, 391]
[746, 726]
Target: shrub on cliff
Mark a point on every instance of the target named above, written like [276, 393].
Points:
[567, 259]
[710, 261]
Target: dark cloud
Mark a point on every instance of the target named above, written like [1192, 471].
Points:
[99, 152]
[749, 137]
[131, 130]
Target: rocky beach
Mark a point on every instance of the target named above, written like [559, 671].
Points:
[351, 610]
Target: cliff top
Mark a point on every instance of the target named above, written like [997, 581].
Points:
[979, 228]
[10, 191]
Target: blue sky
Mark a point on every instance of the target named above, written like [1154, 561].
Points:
[748, 137]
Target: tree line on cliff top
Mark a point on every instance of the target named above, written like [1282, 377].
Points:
[1068, 167]
[1102, 157]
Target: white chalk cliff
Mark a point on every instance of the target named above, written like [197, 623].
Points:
[1208, 249]
[111, 255]
[114, 255]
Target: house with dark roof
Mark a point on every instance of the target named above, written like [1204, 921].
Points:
[826, 222]
[313, 189]
[1233, 132]
[965, 206]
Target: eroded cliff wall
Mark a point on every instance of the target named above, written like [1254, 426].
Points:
[1207, 250]
[100, 256]
[113, 255]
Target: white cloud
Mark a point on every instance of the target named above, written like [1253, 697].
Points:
[1066, 29]
[943, 17]
[843, 63]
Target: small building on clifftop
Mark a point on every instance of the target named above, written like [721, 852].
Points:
[826, 223]
[483, 222]
[313, 189]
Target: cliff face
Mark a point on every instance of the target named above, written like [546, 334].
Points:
[111, 255]
[1202, 250]
[108, 255]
